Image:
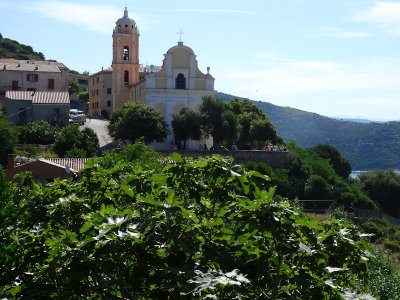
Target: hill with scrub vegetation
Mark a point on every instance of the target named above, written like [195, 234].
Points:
[12, 49]
[366, 146]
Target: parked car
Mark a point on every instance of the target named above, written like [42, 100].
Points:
[77, 116]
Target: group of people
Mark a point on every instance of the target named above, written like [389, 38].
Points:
[276, 148]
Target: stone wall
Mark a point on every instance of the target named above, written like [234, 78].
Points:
[273, 159]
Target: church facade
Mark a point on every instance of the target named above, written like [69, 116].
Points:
[177, 84]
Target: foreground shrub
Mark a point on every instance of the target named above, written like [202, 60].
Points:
[392, 245]
[384, 280]
[73, 141]
[196, 229]
[38, 132]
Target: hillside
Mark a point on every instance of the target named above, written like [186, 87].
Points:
[366, 145]
[12, 49]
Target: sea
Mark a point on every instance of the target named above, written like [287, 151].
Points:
[355, 174]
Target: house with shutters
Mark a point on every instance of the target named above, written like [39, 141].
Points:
[31, 75]
[28, 106]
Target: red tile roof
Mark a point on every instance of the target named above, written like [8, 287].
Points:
[39, 97]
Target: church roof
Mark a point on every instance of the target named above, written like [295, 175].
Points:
[180, 46]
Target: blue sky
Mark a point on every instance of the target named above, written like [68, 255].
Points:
[332, 57]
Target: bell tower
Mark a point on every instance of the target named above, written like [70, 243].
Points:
[125, 63]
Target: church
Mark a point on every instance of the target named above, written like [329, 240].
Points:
[178, 83]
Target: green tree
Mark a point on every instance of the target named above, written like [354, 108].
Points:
[230, 127]
[71, 139]
[38, 132]
[218, 121]
[8, 139]
[73, 87]
[261, 130]
[83, 95]
[133, 121]
[255, 127]
[211, 111]
[382, 186]
[317, 188]
[186, 124]
[341, 165]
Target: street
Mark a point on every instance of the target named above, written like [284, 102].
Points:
[100, 127]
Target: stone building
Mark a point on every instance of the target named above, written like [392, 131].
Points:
[100, 93]
[31, 75]
[30, 106]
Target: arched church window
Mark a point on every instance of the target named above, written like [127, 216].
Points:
[126, 53]
[180, 82]
[126, 77]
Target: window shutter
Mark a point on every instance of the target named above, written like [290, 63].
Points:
[36, 77]
[50, 85]
[27, 77]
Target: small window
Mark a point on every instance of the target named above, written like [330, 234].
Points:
[97, 79]
[97, 92]
[109, 91]
[50, 84]
[126, 77]
[32, 77]
[97, 104]
[108, 103]
[126, 53]
[180, 82]
[93, 80]
[93, 105]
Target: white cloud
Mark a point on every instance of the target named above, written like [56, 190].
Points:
[333, 32]
[97, 18]
[384, 14]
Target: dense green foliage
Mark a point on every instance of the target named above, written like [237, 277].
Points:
[383, 186]
[73, 87]
[186, 124]
[239, 122]
[38, 132]
[84, 73]
[211, 111]
[340, 165]
[12, 49]
[8, 139]
[365, 145]
[197, 229]
[311, 177]
[384, 279]
[255, 127]
[72, 142]
[133, 121]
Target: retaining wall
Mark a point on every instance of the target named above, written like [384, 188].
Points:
[273, 159]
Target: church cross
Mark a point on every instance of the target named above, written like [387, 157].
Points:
[180, 34]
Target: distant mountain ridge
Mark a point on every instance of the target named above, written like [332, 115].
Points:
[366, 145]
